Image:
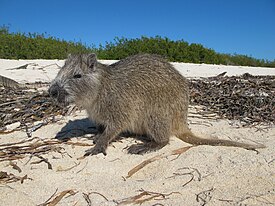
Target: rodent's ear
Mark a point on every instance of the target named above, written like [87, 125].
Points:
[92, 61]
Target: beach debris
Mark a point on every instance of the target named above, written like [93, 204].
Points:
[143, 164]
[7, 82]
[42, 159]
[144, 196]
[192, 172]
[34, 66]
[153, 159]
[14, 166]
[61, 169]
[9, 177]
[248, 98]
[180, 150]
[35, 147]
[204, 197]
[56, 198]
[27, 107]
[87, 197]
[24, 66]
[265, 198]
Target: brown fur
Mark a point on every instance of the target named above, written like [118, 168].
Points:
[142, 94]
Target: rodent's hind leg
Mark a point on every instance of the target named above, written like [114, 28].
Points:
[159, 133]
[143, 148]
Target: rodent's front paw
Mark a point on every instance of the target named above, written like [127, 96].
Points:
[95, 150]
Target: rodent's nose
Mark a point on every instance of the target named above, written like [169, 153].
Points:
[53, 91]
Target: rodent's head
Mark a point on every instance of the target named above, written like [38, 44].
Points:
[75, 78]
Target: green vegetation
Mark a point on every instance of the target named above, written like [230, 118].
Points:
[178, 51]
[36, 46]
[41, 46]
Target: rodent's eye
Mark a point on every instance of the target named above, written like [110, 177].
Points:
[77, 76]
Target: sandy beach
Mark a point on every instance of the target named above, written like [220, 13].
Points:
[175, 175]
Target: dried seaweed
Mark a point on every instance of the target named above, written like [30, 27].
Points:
[34, 147]
[9, 177]
[250, 99]
[15, 166]
[192, 172]
[204, 197]
[158, 157]
[88, 200]
[143, 164]
[27, 107]
[42, 159]
[57, 198]
[144, 196]
[60, 169]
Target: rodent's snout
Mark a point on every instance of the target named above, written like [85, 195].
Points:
[59, 94]
[54, 91]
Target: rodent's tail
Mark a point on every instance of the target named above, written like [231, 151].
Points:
[191, 138]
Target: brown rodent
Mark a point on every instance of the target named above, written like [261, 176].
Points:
[143, 94]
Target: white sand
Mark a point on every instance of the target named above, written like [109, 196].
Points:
[229, 176]
[46, 70]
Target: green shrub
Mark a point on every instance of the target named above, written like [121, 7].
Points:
[41, 46]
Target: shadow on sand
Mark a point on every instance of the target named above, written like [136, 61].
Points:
[82, 127]
[76, 128]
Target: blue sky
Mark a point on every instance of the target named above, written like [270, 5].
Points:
[227, 26]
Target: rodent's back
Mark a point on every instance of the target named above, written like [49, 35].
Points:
[144, 73]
